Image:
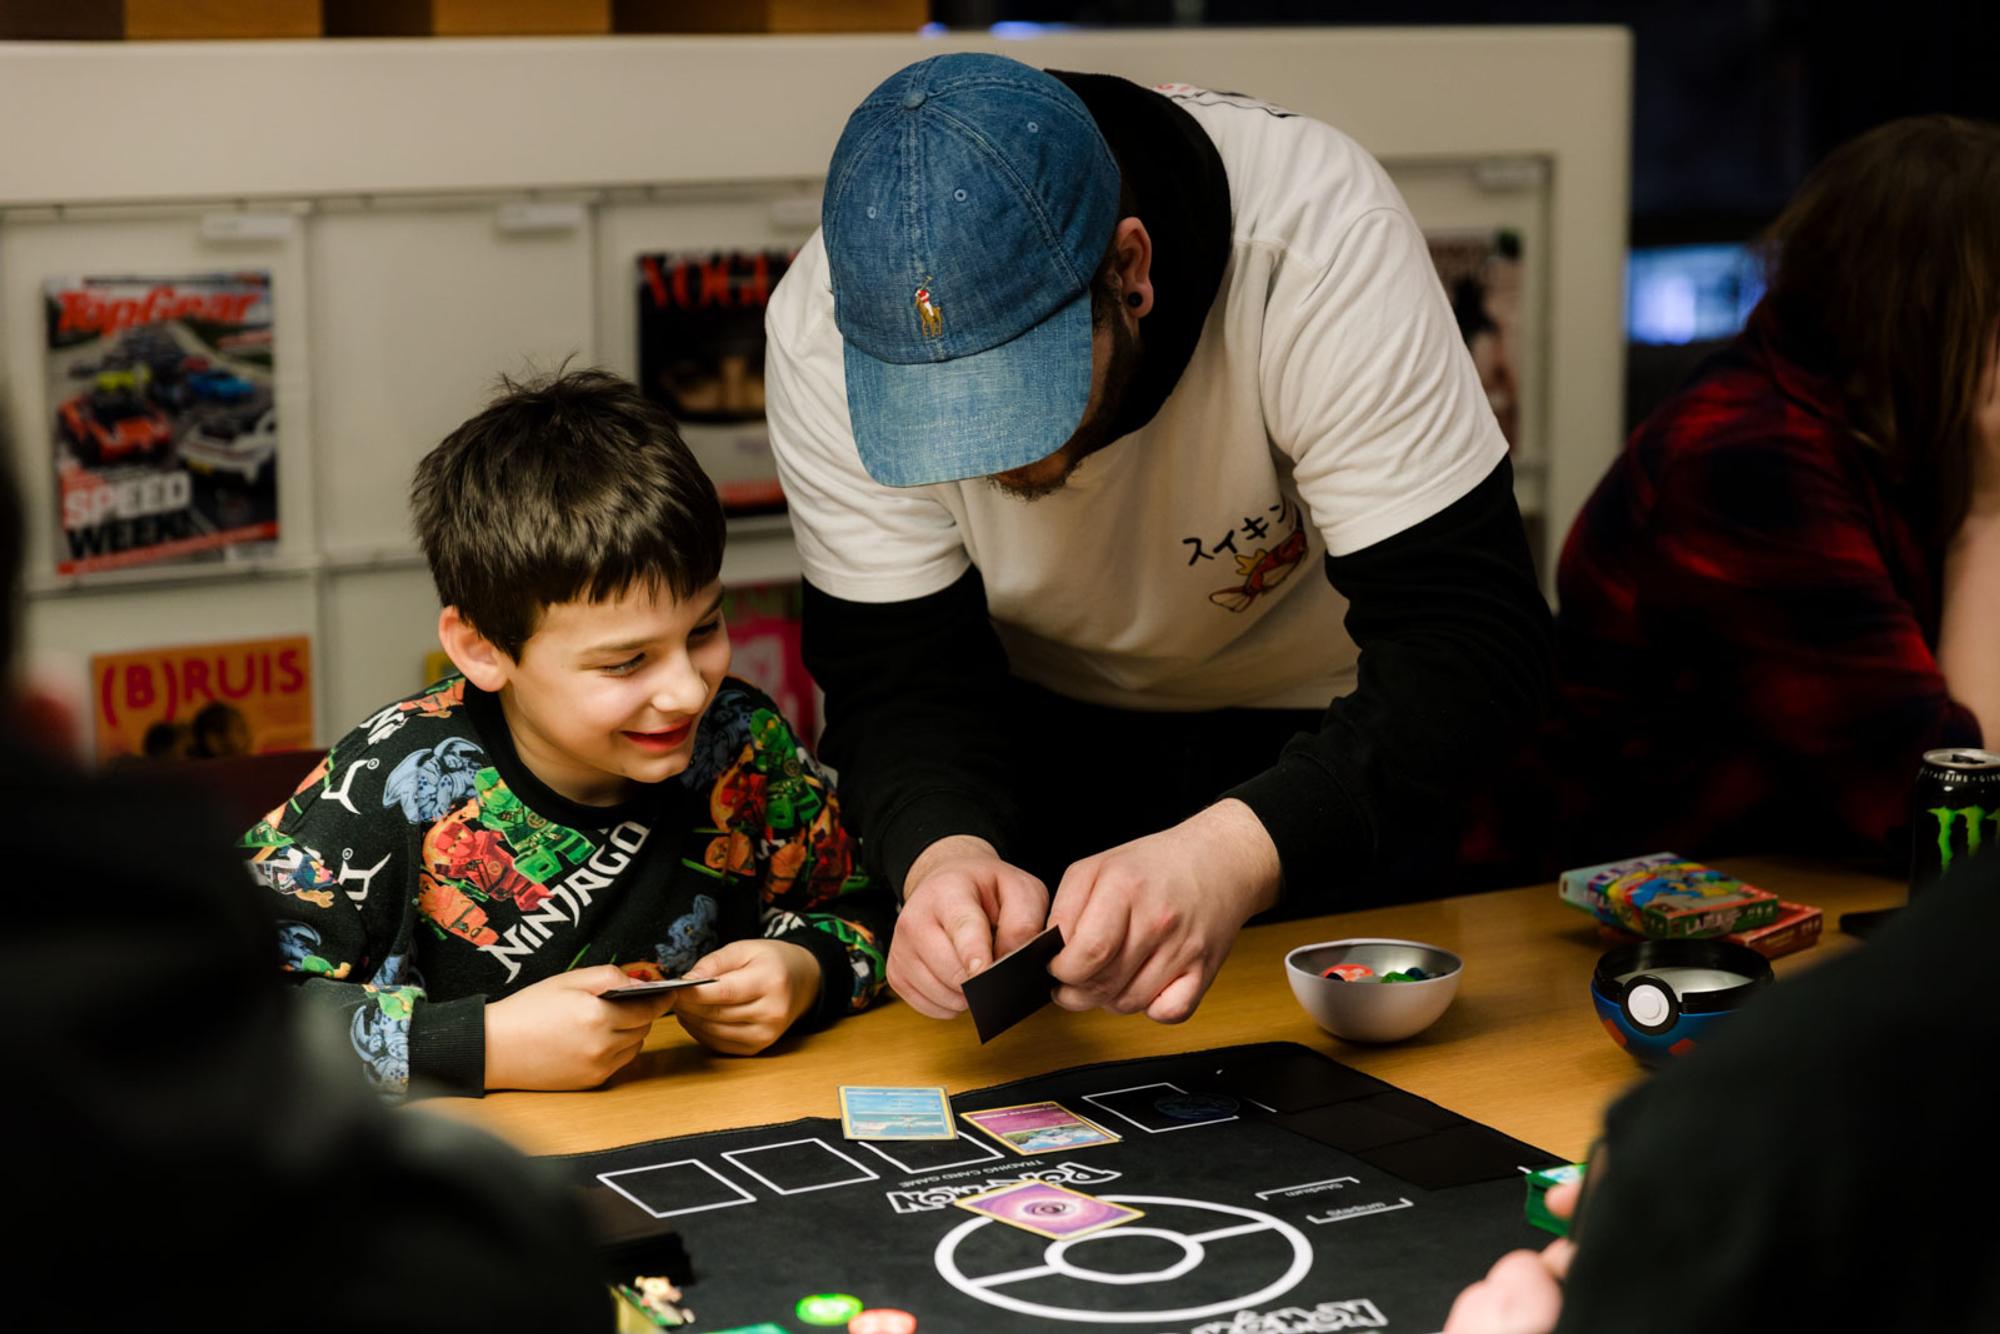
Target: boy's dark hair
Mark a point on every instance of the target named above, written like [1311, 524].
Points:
[571, 488]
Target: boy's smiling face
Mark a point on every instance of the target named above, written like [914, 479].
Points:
[607, 694]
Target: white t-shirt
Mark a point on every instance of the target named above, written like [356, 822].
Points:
[1329, 404]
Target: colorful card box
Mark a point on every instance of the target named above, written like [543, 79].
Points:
[1796, 927]
[1665, 896]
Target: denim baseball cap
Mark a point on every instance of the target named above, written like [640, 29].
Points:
[967, 205]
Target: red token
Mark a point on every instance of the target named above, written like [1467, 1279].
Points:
[883, 1320]
[1349, 972]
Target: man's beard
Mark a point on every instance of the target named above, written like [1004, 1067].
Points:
[1097, 430]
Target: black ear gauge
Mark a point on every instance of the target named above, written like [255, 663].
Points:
[1133, 298]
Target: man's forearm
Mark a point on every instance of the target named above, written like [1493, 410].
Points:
[951, 847]
[1456, 661]
[914, 694]
[1255, 867]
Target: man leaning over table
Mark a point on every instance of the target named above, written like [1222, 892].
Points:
[1076, 384]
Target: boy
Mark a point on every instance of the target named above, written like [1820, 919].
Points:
[589, 801]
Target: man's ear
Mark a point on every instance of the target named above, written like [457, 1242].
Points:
[1134, 266]
[480, 660]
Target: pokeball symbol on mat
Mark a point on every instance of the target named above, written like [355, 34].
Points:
[1244, 1238]
[1196, 1107]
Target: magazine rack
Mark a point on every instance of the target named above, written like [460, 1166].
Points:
[436, 213]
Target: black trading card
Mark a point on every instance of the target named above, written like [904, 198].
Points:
[1013, 987]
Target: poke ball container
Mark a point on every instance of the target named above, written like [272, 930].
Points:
[1371, 1010]
[1661, 998]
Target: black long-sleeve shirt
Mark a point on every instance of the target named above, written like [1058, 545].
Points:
[1822, 1162]
[1455, 665]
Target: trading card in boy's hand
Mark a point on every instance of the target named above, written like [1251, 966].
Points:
[1040, 1127]
[1048, 1210]
[652, 988]
[1014, 986]
[873, 1112]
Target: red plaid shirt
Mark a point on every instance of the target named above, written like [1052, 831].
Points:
[1747, 642]
[1749, 628]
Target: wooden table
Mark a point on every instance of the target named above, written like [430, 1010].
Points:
[1520, 1049]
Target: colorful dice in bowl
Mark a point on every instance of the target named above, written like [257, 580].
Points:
[1373, 989]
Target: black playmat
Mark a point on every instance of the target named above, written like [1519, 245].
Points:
[1328, 1200]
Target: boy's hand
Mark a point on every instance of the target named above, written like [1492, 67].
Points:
[1522, 1293]
[761, 988]
[557, 1034]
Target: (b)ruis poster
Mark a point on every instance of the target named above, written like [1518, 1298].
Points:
[163, 418]
[204, 700]
[701, 355]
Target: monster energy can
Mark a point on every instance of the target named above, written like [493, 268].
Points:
[1954, 811]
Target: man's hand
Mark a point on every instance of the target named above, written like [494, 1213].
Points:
[1522, 1293]
[963, 908]
[761, 988]
[1146, 925]
[556, 1034]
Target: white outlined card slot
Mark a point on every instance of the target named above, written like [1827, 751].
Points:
[917, 1149]
[665, 1193]
[803, 1169]
[1137, 1106]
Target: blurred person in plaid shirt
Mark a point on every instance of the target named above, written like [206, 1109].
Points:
[1787, 588]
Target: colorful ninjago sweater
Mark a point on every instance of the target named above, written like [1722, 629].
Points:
[421, 871]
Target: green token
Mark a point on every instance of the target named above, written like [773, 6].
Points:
[828, 1308]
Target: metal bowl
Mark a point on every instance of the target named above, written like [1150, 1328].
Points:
[1371, 1010]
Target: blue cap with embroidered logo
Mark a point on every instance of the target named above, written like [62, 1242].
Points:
[967, 205]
